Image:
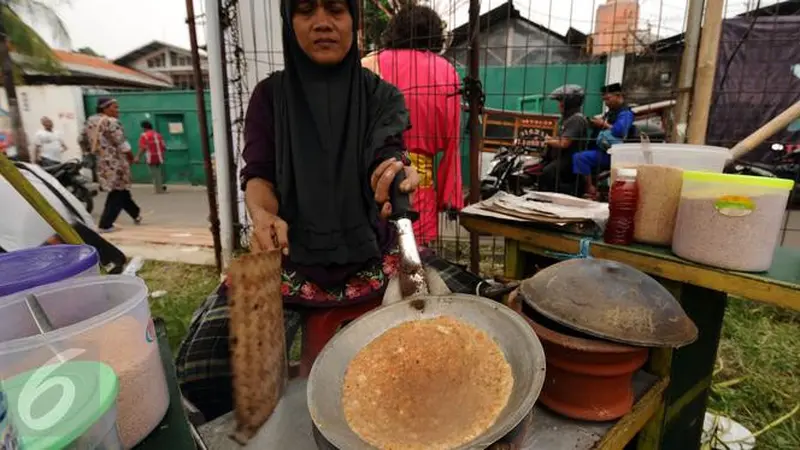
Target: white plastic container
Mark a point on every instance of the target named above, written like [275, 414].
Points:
[105, 319]
[684, 156]
[730, 221]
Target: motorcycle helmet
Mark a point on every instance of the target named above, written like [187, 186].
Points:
[571, 94]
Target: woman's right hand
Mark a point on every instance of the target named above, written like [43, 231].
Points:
[270, 232]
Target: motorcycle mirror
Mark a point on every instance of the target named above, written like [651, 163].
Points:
[776, 147]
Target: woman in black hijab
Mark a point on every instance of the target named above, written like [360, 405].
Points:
[323, 144]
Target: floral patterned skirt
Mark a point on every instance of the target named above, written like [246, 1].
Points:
[363, 286]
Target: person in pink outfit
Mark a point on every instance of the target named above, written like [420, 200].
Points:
[431, 85]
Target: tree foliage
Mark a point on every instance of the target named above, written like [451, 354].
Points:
[31, 51]
[89, 51]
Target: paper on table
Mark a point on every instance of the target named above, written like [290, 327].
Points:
[543, 207]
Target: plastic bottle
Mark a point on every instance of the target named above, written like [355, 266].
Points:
[622, 208]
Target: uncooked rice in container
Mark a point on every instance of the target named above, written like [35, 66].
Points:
[659, 197]
[143, 396]
[747, 243]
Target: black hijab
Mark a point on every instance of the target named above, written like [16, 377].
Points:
[332, 124]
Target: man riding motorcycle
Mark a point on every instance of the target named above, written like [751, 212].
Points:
[614, 127]
[557, 174]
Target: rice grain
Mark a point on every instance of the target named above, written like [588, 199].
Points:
[746, 243]
[143, 397]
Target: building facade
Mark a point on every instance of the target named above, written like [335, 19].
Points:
[166, 62]
[509, 39]
[616, 27]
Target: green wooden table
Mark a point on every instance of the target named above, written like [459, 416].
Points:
[173, 431]
[673, 418]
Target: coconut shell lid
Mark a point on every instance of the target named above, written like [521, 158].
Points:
[611, 301]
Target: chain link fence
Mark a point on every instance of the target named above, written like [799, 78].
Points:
[526, 50]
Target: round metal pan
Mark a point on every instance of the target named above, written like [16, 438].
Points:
[519, 344]
[609, 300]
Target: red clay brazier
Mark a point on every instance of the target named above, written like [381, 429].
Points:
[588, 379]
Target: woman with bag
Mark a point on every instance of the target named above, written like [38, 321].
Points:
[104, 137]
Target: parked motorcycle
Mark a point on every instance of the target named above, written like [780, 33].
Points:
[777, 164]
[69, 175]
[511, 169]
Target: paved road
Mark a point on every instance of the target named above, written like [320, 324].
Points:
[180, 206]
[186, 208]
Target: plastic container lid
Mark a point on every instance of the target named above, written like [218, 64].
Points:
[747, 180]
[48, 418]
[25, 269]
[669, 147]
[626, 172]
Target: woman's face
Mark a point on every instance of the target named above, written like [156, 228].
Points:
[324, 29]
[112, 110]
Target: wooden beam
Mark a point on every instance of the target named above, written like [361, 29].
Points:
[749, 286]
[706, 71]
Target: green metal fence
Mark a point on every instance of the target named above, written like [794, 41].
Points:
[526, 89]
[174, 115]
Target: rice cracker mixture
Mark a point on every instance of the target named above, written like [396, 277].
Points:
[427, 384]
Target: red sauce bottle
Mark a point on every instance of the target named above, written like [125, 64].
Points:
[622, 200]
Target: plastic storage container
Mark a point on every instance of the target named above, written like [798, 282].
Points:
[30, 268]
[8, 433]
[685, 156]
[105, 319]
[49, 419]
[730, 221]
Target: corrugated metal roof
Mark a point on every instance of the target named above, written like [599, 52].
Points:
[103, 68]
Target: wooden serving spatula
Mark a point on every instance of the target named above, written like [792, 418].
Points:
[257, 340]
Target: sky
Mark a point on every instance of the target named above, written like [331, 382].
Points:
[114, 27]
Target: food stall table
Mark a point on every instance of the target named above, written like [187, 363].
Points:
[677, 420]
[173, 431]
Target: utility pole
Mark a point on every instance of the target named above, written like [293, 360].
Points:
[20, 139]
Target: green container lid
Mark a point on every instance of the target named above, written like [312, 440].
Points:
[52, 406]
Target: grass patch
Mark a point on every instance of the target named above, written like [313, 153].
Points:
[186, 286]
[759, 354]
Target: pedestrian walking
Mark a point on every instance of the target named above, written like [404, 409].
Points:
[103, 136]
[151, 145]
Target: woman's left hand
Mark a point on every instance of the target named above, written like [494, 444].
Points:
[382, 179]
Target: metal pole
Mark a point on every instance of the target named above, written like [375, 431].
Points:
[204, 144]
[474, 127]
[694, 23]
[233, 178]
[20, 139]
[218, 113]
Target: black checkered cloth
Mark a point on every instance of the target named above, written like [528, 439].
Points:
[203, 360]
